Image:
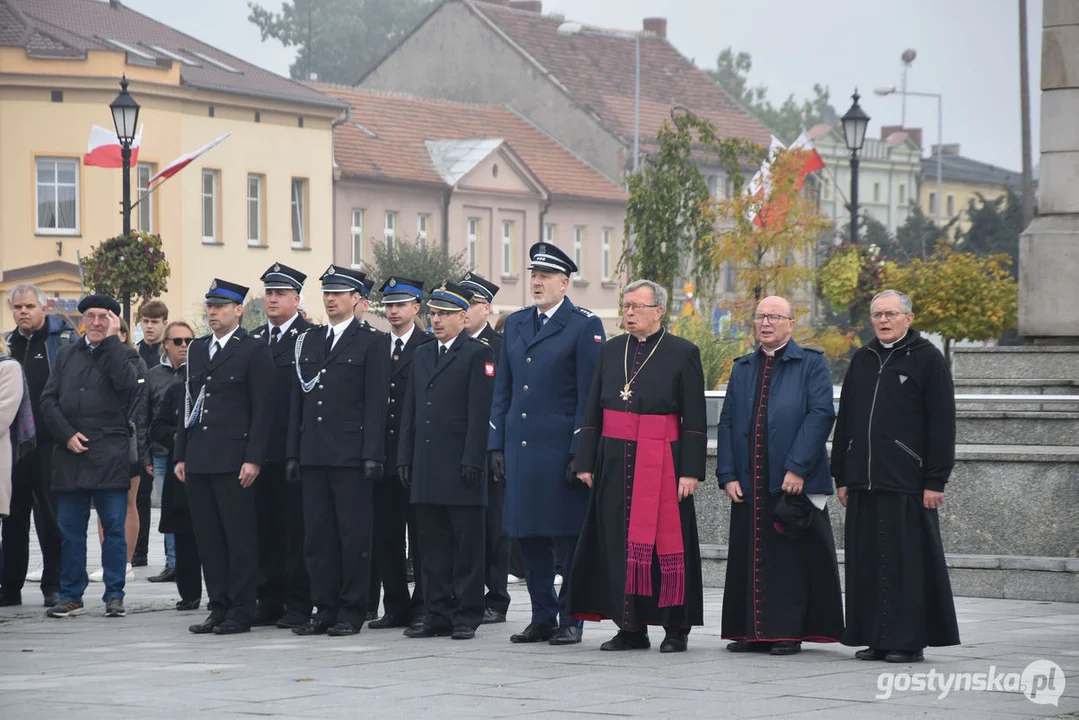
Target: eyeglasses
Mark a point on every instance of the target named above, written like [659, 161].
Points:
[180, 341]
[636, 307]
[886, 314]
[95, 317]
[773, 319]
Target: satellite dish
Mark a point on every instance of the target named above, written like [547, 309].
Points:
[908, 56]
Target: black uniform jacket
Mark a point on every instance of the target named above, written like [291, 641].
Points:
[283, 353]
[342, 421]
[400, 372]
[445, 421]
[237, 410]
[489, 336]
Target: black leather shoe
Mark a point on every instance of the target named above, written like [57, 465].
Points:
[373, 615]
[139, 561]
[207, 625]
[10, 599]
[293, 620]
[231, 627]
[52, 599]
[745, 646]
[342, 629]
[904, 656]
[871, 654]
[188, 605]
[674, 642]
[166, 575]
[266, 616]
[389, 620]
[426, 631]
[534, 633]
[463, 632]
[785, 648]
[567, 635]
[313, 627]
[627, 641]
[491, 616]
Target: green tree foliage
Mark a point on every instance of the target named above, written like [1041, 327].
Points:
[995, 226]
[718, 350]
[917, 236]
[344, 38]
[787, 120]
[410, 259]
[133, 264]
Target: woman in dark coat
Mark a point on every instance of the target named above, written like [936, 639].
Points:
[175, 512]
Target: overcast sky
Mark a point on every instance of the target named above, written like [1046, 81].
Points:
[968, 50]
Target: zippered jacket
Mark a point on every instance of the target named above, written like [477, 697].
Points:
[895, 430]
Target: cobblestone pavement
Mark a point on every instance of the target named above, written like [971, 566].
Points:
[148, 665]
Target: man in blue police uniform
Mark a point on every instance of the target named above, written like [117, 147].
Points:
[401, 302]
[337, 438]
[221, 446]
[496, 539]
[284, 593]
[442, 456]
[549, 355]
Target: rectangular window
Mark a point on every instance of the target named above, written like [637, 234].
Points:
[549, 233]
[57, 196]
[254, 210]
[876, 192]
[951, 205]
[209, 206]
[902, 194]
[299, 212]
[932, 202]
[389, 231]
[143, 173]
[607, 233]
[578, 252]
[421, 229]
[826, 189]
[357, 237]
[507, 248]
[474, 243]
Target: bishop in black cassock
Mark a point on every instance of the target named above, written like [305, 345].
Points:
[642, 448]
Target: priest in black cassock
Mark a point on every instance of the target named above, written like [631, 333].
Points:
[782, 584]
[642, 451]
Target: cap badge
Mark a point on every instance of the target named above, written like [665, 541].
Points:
[542, 249]
[213, 285]
[277, 268]
[332, 270]
[393, 282]
[442, 287]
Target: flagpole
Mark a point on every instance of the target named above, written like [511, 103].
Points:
[149, 191]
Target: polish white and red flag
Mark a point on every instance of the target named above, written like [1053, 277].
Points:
[184, 160]
[761, 183]
[104, 149]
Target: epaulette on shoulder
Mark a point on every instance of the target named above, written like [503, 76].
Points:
[525, 308]
[584, 311]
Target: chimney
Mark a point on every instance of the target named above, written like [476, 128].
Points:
[947, 149]
[657, 26]
[115, 4]
[915, 134]
[535, 6]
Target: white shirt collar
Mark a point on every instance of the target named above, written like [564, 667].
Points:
[403, 338]
[339, 328]
[222, 342]
[448, 343]
[889, 346]
[284, 326]
[477, 335]
[772, 353]
[552, 310]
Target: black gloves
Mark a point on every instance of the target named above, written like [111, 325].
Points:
[471, 476]
[372, 470]
[497, 464]
[571, 474]
[404, 474]
[292, 470]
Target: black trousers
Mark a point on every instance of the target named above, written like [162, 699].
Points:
[142, 505]
[337, 515]
[223, 515]
[283, 582]
[418, 596]
[31, 480]
[188, 567]
[391, 513]
[497, 549]
[451, 541]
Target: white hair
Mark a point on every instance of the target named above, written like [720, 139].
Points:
[904, 299]
[23, 288]
[659, 293]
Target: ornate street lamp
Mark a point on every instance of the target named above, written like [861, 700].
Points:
[855, 123]
[125, 116]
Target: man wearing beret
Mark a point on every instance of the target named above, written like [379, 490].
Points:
[221, 446]
[91, 401]
[442, 456]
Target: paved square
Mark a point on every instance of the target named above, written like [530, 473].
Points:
[148, 665]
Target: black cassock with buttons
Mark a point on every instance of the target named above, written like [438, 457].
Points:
[233, 427]
[443, 437]
[333, 429]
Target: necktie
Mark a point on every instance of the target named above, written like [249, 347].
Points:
[542, 320]
[275, 334]
[215, 348]
[329, 342]
[441, 352]
[397, 348]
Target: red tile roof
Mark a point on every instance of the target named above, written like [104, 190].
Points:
[71, 28]
[399, 125]
[599, 73]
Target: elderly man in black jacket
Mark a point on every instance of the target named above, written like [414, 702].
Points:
[92, 400]
[892, 452]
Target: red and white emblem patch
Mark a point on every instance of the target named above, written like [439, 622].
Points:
[489, 369]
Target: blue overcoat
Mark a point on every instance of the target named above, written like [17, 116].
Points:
[541, 390]
[800, 416]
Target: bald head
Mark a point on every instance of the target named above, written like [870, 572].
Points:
[774, 322]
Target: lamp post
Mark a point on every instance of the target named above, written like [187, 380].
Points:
[573, 28]
[940, 137]
[125, 116]
[855, 123]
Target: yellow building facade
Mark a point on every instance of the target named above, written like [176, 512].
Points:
[264, 195]
[962, 179]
